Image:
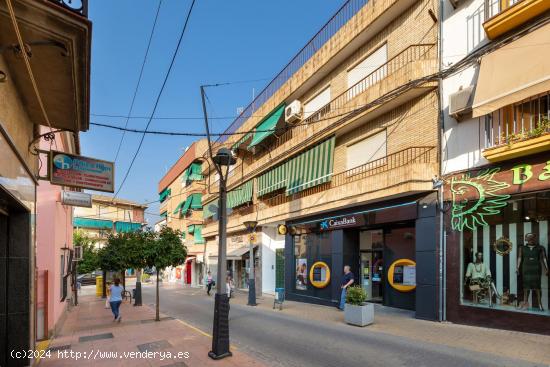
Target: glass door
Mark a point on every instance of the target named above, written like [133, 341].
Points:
[366, 281]
[377, 275]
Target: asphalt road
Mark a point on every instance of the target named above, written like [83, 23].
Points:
[278, 339]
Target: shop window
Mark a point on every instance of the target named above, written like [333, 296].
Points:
[300, 254]
[504, 264]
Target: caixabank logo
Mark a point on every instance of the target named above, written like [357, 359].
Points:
[337, 223]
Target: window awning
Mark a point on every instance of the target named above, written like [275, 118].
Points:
[268, 126]
[210, 209]
[198, 234]
[273, 180]
[513, 73]
[240, 195]
[196, 201]
[185, 175]
[164, 194]
[311, 168]
[164, 214]
[92, 223]
[186, 205]
[245, 139]
[125, 227]
[238, 253]
[191, 228]
[178, 208]
[195, 172]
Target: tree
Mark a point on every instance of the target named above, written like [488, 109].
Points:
[135, 249]
[164, 249]
[114, 255]
[90, 260]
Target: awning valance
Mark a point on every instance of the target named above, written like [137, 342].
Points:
[240, 195]
[92, 223]
[311, 168]
[273, 180]
[268, 126]
[237, 254]
[514, 72]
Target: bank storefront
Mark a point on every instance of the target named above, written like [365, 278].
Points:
[497, 245]
[390, 247]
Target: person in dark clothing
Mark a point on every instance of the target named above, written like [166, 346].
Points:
[209, 283]
[347, 280]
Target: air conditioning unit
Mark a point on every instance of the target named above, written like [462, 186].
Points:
[77, 253]
[460, 103]
[293, 112]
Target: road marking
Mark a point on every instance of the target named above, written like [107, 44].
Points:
[202, 332]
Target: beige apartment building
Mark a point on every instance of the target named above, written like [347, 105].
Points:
[336, 161]
[108, 215]
[180, 195]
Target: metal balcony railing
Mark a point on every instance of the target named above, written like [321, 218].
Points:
[338, 20]
[79, 7]
[495, 7]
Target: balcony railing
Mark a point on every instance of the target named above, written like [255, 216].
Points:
[79, 7]
[338, 20]
[495, 7]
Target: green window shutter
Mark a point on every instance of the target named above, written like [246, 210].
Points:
[182, 235]
[195, 172]
[185, 175]
[198, 234]
[191, 228]
[268, 126]
[311, 168]
[186, 205]
[92, 223]
[272, 180]
[196, 201]
[240, 195]
[178, 208]
[164, 214]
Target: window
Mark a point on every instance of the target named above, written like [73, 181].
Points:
[300, 254]
[474, 28]
[315, 103]
[367, 150]
[369, 67]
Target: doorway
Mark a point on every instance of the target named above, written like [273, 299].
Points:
[371, 244]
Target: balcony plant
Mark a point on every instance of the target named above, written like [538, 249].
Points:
[542, 128]
[357, 311]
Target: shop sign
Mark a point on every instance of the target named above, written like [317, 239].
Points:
[77, 171]
[75, 198]
[479, 194]
[342, 222]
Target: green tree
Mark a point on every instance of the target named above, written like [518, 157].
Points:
[164, 249]
[136, 256]
[90, 260]
[114, 255]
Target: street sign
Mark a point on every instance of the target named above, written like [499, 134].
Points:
[84, 172]
[75, 198]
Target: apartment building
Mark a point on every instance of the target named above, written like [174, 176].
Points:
[44, 82]
[338, 166]
[496, 163]
[107, 216]
[180, 195]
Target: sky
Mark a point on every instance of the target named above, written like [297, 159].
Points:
[244, 41]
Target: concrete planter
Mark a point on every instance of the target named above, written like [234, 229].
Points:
[359, 315]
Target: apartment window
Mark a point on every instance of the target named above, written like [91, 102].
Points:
[314, 104]
[370, 67]
[367, 150]
[474, 28]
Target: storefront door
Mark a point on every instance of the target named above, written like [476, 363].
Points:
[372, 270]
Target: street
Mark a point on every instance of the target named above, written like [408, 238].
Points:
[279, 339]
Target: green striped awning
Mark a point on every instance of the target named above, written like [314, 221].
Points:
[272, 180]
[126, 227]
[164, 214]
[186, 205]
[92, 223]
[196, 201]
[164, 194]
[178, 208]
[195, 172]
[244, 139]
[268, 126]
[210, 209]
[240, 195]
[311, 168]
[191, 228]
[198, 234]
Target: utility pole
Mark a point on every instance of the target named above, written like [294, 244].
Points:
[220, 335]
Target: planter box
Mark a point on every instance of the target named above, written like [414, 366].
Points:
[359, 315]
[518, 149]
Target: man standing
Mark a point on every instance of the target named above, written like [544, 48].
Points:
[347, 280]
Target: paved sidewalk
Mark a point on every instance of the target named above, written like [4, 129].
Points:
[90, 331]
[529, 347]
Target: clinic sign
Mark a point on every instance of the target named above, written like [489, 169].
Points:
[82, 172]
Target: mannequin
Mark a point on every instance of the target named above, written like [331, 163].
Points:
[478, 276]
[533, 258]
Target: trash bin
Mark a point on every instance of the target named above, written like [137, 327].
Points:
[99, 286]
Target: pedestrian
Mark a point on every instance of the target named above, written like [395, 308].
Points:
[229, 284]
[209, 283]
[347, 280]
[116, 299]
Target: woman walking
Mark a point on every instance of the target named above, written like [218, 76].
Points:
[209, 283]
[116, 299]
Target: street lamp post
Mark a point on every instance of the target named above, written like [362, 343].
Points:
[220, 335]
[251, 227]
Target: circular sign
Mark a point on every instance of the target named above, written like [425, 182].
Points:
[281, 228]
[398, 277]
[252, 237]
[319, 274]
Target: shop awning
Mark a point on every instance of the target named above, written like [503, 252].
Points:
[238, 253]
[127, 227]
[92, 223]
[240, 195]
[273, 180]
[311, 168]
[513, 73]
[268, 126]
[244, 140]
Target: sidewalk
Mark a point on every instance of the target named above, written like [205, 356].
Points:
[94, 339]
[529, 347]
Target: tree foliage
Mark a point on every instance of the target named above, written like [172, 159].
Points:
[165, 249]
[114, 255]
[90, 259]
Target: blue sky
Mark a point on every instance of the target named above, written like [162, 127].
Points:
[225, 41]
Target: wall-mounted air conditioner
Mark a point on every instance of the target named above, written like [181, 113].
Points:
[460, 103]
[293, 112]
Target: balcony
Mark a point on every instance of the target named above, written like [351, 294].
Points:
[504, 15]
[518, 130]
[407, 171]
[347, 109]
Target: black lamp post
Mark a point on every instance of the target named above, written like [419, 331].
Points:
[251, 228]
[220, 335]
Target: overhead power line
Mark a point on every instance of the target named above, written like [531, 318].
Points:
[158, 98]
[139, 78]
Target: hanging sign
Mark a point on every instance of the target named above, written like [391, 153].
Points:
[77, 171]
[75, 198]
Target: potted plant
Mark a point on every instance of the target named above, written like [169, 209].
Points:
[357, 311]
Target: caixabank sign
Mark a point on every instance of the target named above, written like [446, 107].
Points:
[342, 222]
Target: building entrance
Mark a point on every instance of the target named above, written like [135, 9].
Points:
[371, 244]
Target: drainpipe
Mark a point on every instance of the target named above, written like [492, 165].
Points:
[442, 247]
